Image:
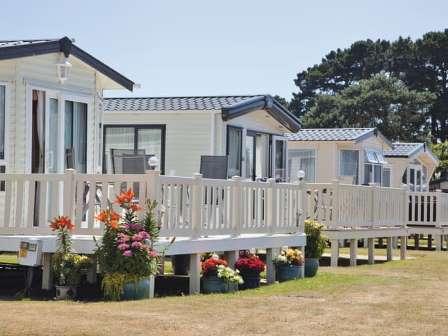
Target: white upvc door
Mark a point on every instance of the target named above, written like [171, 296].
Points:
[54, 133]
[279, 158]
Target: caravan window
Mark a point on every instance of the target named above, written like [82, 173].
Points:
[348, 164]
[302, 159]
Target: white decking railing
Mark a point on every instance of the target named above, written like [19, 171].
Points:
[342, 205]
[188, 207]
[195, 206]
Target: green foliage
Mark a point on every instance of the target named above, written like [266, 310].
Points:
[422, 65]
[315, 242]
[441, 151]
[382, 102]
[69, 268]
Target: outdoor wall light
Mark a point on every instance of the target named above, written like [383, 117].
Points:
[300, 175]
[153, 162]
[63, 68]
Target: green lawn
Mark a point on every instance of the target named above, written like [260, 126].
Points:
[8, 258]
[395, 298]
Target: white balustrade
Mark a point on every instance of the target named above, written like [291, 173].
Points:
[195, 206]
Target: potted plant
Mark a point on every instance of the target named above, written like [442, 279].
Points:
[126, 255]
[217, 277]
[250, 267]
[288, 265]
[68, 267]
[315, 245]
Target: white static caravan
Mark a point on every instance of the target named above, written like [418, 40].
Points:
[51, 106]
[414, 164]
[179, 130]
[350, 155]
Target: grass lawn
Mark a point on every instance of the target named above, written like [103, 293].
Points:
[10, 258]
[396, 298]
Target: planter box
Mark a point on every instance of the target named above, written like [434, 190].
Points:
[213, 284]
[142, 289]
[288, 272]
[251, 280]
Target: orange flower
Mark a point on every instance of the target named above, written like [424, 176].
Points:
[61, 223]
[109, 217]
[135, 207]
[125, 198]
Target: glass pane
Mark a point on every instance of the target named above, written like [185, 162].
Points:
[116, 138]
[349, 164]
[377, 174]
[53, 141]
[371, 157]
[249, 154]
[234, 151]
[386, 177]
[262, 156]
[280, 160]
[150, 140]
[368, 171]
[2, 121]
[302, 160]
[76, 136]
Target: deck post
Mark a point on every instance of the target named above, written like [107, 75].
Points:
[371, 251]
[302, 249]
[390, 248]
[153, 184]
[272, 205]
[69, 193]
[335, 216]
[271, 253]
[231, 257]
[403, 247]
[438, 242]
[236, 205]
[334, 252]
[91, 273]
[196, 200]
[353, 251]
[195, 273]
[416, 241]
[47, 273]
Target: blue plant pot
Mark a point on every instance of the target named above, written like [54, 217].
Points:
[311, 267]
[137, 290]
[251, 280]
[286, 272]
[213, 284]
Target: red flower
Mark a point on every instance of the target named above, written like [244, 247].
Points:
[209, 266]
[250, 264]
[135, 207]
[61, 223]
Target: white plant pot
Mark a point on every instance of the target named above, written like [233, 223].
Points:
[64, 292]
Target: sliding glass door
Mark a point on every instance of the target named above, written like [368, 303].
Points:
[145, 139]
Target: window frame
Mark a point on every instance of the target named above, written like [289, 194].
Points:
[340, 163]
[314, 156]
[5, 160]
[161, 127]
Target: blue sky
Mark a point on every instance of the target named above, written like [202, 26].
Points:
[217, 47]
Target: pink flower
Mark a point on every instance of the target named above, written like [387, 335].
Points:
[152, 254]
[137, 237]
[136, 245]
[123, 247]
[123, 237]
[127, 253]
[144, 235]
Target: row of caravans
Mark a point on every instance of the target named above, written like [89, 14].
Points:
[53, 116]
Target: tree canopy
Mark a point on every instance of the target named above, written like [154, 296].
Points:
[382, 101]
[421, 65]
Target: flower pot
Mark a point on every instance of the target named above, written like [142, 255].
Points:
[286, 272]
[64, 293]
[311, 267]
[251, 280]
[138, 290]
[213, 284]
